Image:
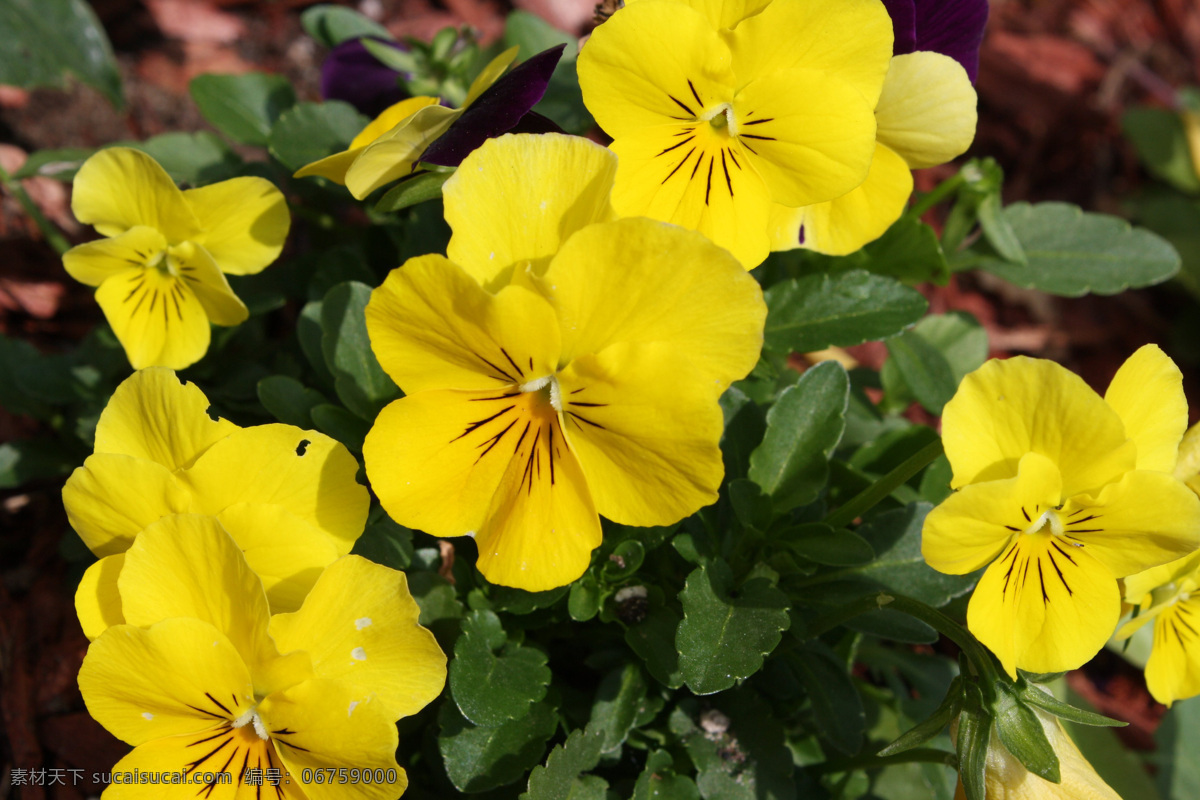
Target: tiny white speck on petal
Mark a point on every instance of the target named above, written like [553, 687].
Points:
[146, 715]
[469, 533]
[358, 654]
[362, 622]
[350, 710]
[542, 206]
[492, 257]
[215, 644]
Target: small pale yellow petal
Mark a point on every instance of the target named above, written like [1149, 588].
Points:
[391, 116]
[927, 110]
[1147, 394]
[359, 625]
[97, 600]
[246, 222]
[394, 155]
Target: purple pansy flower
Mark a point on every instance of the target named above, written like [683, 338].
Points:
[953, 28]
[350, 73]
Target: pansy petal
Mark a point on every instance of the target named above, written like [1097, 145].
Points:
[217, 759]
[518, 198]
[710, 312]
[904, 24]
[1044, 608]
[156, 416]
[92, 263]
[332, 167]
[351, 73]
[246, 222]
[187, 565]
[927, 110]
[971, 526]
[1033, 405]
[1147, 394]
[111, 498]
[1187, 468]
[851, 39]
[645, 429]
[497, 110]
[320, 725]
[97, 600]
[119, 188]
[203, 276]
[392, 116]
[433, 327]
[395, 154]
[654, 63]
[156, 318]
[842, 226]
[1140, 584]
[308, 473]
[436, 457]
[953, 28]
[542, 526]
[1173, 669]
[696, 177]
[810, 135]
[728, 13]
[178, 676]
[1143, 520]
[490, 74]
[359, 625]
[286, 552]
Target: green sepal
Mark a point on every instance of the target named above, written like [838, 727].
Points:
[1022, 734]
[922, 732]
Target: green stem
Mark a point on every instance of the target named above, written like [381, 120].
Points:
[918, 755]
[876, 492]
[863, 605]
[51, 233]
[939, 193]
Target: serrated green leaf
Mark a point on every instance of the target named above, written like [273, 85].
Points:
[658, 781]
[1073, 253]
[836, 704]
[803, 428]
[43, 39]
[850, 308]
[308, 132]
[925, 371]
[620, 699]
[492, 679]
[358, 379]
[726, 632]
[416, 189]
[1021, 732]
[288, 400]
[243, 107]
[1159, 136]
[654, 640]
[478, 759]
[331, 25]
[559, 779]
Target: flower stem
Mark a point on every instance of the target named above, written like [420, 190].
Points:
[937, 195]
[51, 234]
[867, 499]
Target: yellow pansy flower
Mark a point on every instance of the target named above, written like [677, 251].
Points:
[719, 109]
[1006, 778]
[925, 117]
[195, 680]
[161, 270]
[288, 496]
[1061, 492]
[389, 147]
[557, 365]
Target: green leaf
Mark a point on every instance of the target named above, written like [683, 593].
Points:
[929, 728]
[197, 159]
[533, 35]
[836, 704]
[923, 369]
[654, 640]
[492, 679]
[1176, 217]
[386, 542]
[563, 100]
[819, 542]
[559, 779]
[309, 333]
[1073, 253]
[658, 781]
[960, 339]
[726, 633]
[895, 625]
[909, 251]
[1161, 142]
[358, 379]
[803, 428]
[620, 701]
[999, 231]
[478, 759]
[584, 600]
[519, 601]
[43, 39]
[288, 400]
[331, 25]
[28, 460]
[243, 107]
[1022, 734]
[308, 132]
[339, 423]
[412, 190]
[1032, 695]
[899, 566]
[819, 311]
[61, 165]
[974, 734]
[436, 597]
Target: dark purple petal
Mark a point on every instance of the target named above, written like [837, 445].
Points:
[534, 122]
[350, 73]
[953, 28]
[497, 110]
[904, 23]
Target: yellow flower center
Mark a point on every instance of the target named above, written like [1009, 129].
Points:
[547, 389]
[1048, 520]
